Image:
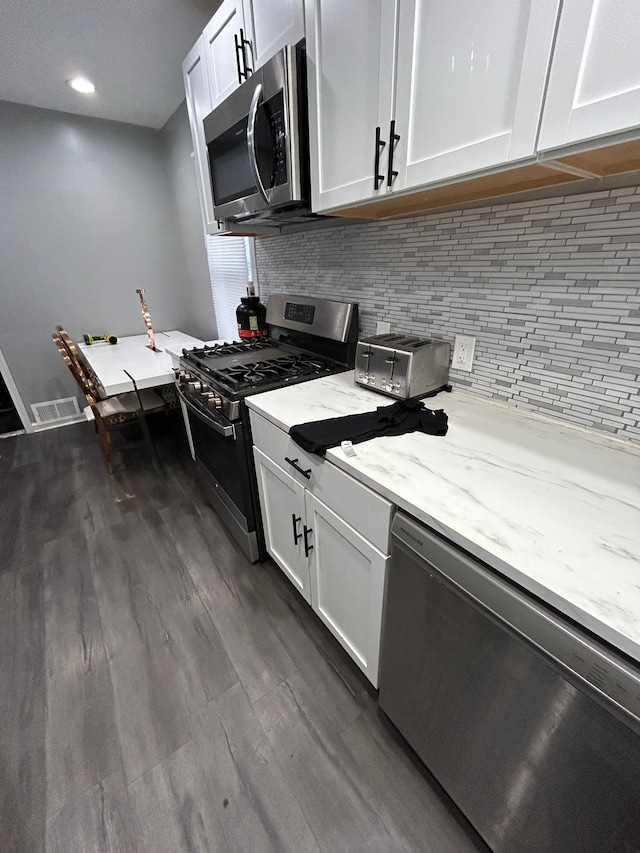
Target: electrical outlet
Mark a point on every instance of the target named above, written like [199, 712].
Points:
[382, 328]
[463, 351]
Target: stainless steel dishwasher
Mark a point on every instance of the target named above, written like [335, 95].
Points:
[530, 724]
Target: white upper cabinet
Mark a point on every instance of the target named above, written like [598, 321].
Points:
[243, 35]
[225, 54]
[454, 88]
[198, 96]
[594, 86]
[470, 85]
[270, 26]
[350, 64]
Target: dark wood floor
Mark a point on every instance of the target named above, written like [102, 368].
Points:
[159, 693]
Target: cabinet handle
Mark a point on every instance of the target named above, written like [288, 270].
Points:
[294, 463]
[296, 519]
[251, 141]
[247, 70]
[307, 548]
[239, 48]
[377, 177]
[394, 138]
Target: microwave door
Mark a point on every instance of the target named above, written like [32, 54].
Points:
[232, 182]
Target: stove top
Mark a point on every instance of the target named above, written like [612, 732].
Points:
[234, 370]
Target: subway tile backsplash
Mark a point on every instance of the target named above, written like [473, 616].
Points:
[550, 288]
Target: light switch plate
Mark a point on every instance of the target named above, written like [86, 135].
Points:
[382, 327]
[463, 351]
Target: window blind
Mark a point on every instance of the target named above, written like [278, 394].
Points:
[231, 266]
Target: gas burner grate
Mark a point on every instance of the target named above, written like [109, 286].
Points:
[250, 374]
[228, 348]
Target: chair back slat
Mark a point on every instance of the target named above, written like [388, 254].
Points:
[76, 360]
[83, 381]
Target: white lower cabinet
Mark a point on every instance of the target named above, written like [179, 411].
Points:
[347, 575]
[335, 568]
[283, 516]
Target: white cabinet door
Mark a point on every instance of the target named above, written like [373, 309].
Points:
[347, 584]
[594, 87]
[350, 62]
[198, 96]
[283, 517]
[470, 84]
[220, 36]
[271, 26]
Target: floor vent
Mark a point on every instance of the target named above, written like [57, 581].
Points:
[55, 410]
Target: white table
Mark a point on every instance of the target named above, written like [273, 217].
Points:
[149, 369]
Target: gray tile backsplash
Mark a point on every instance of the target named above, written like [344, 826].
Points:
[550, 288]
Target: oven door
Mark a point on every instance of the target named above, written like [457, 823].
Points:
[221, 452]
[254, 141]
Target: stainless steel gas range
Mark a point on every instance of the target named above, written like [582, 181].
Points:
[308, 338]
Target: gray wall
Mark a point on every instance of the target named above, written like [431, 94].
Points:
[550, 289]
[182, 174]
[87, 215]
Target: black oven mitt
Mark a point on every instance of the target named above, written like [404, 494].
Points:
[396, 419]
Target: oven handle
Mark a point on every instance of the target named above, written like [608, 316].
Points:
[251, 140]
[225, 430]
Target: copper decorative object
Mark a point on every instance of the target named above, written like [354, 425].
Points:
[147, 321]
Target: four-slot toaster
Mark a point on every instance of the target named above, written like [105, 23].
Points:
[402, 365]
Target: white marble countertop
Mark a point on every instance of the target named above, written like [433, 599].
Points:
[553, 507]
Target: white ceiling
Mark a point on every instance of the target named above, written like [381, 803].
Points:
[131, 49]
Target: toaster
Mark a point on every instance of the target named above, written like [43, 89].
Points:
[402, 365]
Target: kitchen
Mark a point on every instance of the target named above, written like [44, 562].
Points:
[548, 285]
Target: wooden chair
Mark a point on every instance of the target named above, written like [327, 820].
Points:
[77, 364]
[109, 413]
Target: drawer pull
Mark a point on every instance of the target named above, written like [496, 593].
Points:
[307, 548]
[294, 464]
[296, 519]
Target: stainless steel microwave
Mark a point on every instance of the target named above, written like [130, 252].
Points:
[257, 144]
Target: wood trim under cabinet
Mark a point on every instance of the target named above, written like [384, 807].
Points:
[602, 162]
[618, 159]
[514, 180]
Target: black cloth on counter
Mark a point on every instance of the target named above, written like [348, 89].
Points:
[397, 419]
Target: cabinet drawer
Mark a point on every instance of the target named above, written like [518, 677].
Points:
[276, 444]
[355, 503]
[363, 509]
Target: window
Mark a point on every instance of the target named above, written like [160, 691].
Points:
[231, 267]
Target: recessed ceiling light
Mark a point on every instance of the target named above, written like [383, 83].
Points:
[81, 84]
